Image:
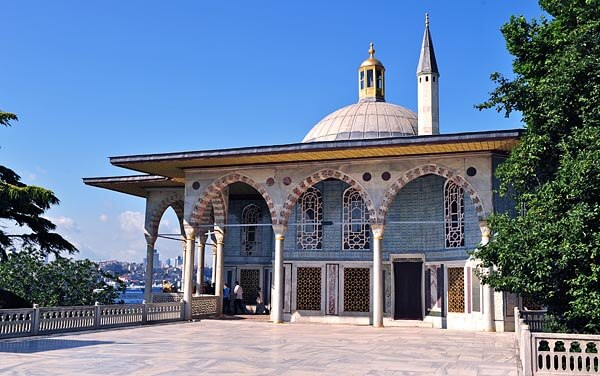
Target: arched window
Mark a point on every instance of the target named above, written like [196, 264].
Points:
[310, 217]
[251, 215]
[356, 231]
[454, 215]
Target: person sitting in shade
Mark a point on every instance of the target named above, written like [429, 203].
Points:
[238, 292]
[260, 304]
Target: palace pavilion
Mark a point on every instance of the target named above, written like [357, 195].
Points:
[368, 220]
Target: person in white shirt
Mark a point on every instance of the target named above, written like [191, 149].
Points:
[238, 292]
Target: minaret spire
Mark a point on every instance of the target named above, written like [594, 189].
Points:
[427, 62]
[427, 84]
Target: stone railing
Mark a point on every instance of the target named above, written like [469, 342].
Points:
[555, 353]
[204, 306]
[167, 297]
[48, 320]
[16, 322]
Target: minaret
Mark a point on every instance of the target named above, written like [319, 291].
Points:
[371, 79]
[427, 83]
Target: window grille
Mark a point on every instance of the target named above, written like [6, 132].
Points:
[357, 294]
[456, 290]
[251, 215]
[356, 231]
[454, 215]
[308, 292]
[310, 220]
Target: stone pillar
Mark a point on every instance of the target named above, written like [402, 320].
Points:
[220, 237]
[277, 298]
[213, 277]
[190, 236]
[183, 268]
[150, 240]
[377, 276]
[488, 292]
[200, 266]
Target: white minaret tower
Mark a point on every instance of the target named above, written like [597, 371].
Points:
[427, 83]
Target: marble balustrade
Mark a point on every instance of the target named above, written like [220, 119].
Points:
[544, 353]
[50, 320]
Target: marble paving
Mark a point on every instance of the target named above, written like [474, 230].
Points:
[245, 347]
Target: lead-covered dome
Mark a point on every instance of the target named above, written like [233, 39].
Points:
[371, 117]
[363, 120]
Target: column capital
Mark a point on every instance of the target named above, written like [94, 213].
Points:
[377, 230]
[202, 239]
[279, 230]
[150, 239]
[190, 232]
[485, 231]
[219, 234]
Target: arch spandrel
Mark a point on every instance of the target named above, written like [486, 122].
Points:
[214, 196]
[431, 169]
[316, 177]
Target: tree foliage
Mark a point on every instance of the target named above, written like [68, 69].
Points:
[63, 282]
[6, 118]
[550, 250]
[24, 206]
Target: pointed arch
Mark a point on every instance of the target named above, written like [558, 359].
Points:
[317, 177]
[153, 217]
[431, 169]
[213, 195]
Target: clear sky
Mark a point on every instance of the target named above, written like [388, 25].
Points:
[93, 79]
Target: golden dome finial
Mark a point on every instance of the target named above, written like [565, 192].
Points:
[426, 19]
[371, 50]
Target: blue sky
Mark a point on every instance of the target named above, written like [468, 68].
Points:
[91, 79]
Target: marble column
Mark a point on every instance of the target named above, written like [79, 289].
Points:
[190, 236]
[377, 276]
[150, 240]
[488, 291]
[213, 276]
[277, 298]
[220, 237]
[200, 265]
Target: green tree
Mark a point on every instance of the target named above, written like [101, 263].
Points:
[550, 250]
[6, 118]
[62, 282]
[24, 206]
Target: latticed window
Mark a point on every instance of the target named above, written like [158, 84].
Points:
[310, 220]
[251, 215]
[308, 292]
[356, 231]
[456, 290]
[357, 295]
[454, 215]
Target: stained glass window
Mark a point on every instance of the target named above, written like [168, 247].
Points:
[356, 231]
[251, 215]
[454, 215]
[310, 217]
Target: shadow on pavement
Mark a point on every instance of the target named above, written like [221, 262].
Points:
[45, 344]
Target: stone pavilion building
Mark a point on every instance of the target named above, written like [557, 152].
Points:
[368, 220]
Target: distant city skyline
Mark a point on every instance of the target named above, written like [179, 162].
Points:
[89, 81]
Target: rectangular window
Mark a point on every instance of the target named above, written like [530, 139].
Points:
[379, 79]
[369, 78]
[362, 80]
[456, 290]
